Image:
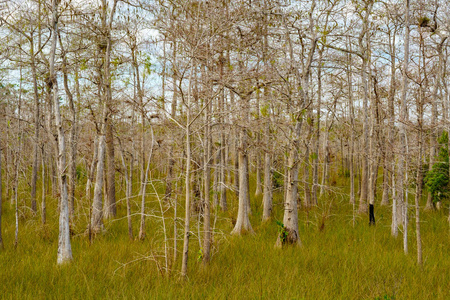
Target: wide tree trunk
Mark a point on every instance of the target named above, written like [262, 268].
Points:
[243, 222]
[290, 234]
[241, 163]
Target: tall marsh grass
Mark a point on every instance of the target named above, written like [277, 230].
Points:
[337, 260]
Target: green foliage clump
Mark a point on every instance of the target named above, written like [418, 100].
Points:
[282, 232]
[437, 179]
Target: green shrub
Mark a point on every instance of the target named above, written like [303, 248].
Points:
[436, 179]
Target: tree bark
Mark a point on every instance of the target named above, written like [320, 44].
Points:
[92, 169]
[73, 135]
[207, 186]
[35, 170]
[290, 219]
[267, 192]
[402, 170]
[110, 210]
[243, 222]
[128, 192]
[1, 194]
[64, 246]
[364, 49]
[97, 214]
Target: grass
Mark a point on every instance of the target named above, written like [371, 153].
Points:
[337, 260]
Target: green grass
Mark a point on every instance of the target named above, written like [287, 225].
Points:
[338, 262]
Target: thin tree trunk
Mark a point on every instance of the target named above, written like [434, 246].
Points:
[17, 153]
[97, 214]
[170, 175]
[64, 246]
[35, 170]
[207, 186]
[389, 164]
[258, 190]
[216, 176]
[110, 209]
[16, 187]
[223, 147]
[306, 167]
[267, 193]
[144, 187]
[326, 159]
[188, 200]
[419, 181]
[394, 225]
[364, 48]
[128, 192]
[1, 191]
[72, 137]
[352, 131]
[317, 134]
[184, 262]
[44, 194]
[402, 169]
[92, 169]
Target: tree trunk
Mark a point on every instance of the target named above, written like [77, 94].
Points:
[216, 176]
[35, 170]
[243, 222]
[364, 48]
[207, 186]
[107, 129]
[43, 203]
[315, 186]
[92, 169]
[188, 198]
[306, 167]
[110, 207]
[352, 132]
[144, 187]
[402, 169]
[1, 203]
[128, 191]
[290, 219]
[258, 190]
[173, 113]
[418, 196]
[222, 174]
[64, 246]
[73, 135]
[97, 214]
[267, 193]
[17, 153]
[326, 159]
